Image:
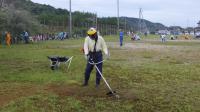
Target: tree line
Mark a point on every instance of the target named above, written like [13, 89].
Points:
[19, 15]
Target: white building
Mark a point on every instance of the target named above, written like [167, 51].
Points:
[166, 32]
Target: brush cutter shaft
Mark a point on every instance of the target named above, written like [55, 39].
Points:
[95, 64]
[104, 79]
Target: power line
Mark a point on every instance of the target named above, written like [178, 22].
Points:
[142, 28]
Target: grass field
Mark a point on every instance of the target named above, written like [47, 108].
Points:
[149, 76]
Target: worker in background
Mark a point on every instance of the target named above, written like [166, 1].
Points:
[121, 36]
[93, 46]
[163, 38]
[26, 37]
[8, 39]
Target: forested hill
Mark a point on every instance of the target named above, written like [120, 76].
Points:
[19, 15]
[152, 27]
[133, 23]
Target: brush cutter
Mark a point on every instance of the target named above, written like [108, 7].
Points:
[111, 92]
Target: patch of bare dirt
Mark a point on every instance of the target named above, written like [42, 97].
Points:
[74, 90]
[89, 91]
[10, 92]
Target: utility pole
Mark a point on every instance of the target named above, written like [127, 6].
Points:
[117, 16]
[96, 21]
[142, 27]
[70, 19]
[1, 3]
[140, 21]
[125, 25]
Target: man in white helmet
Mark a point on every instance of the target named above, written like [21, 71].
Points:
[93, 47]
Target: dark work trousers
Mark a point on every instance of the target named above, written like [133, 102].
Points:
[26, 39]
[121, 40]
[94, 57]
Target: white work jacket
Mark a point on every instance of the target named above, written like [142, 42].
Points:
[100, 45]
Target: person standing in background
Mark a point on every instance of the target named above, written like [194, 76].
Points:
[26, 37]
[121, 36]
[8, 39]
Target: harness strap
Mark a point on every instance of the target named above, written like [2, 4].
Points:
[95, 43]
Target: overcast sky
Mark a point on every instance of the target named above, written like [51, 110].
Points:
[168, 12]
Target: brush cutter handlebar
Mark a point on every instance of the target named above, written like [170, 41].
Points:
[93, 63]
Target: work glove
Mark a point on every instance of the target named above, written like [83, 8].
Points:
[87, 57]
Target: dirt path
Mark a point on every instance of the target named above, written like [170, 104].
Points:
[148, 46]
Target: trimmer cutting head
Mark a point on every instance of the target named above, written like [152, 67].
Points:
[112, 93]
